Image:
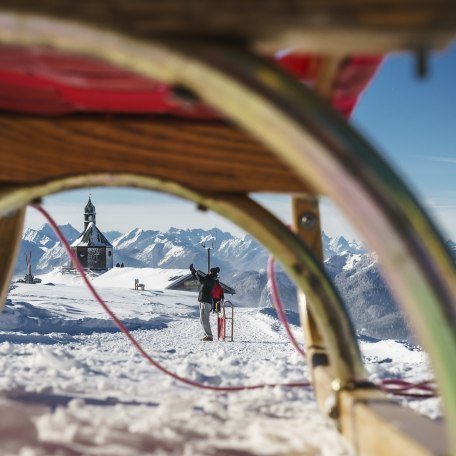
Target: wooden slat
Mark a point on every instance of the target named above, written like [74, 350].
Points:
[326, 77]
[210, 156]
[377, 425]
[316, 353]
[10, 235]
[331, 24]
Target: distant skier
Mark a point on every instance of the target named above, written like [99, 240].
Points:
[217, 296]
[207, 284]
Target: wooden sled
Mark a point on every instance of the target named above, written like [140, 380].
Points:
[225, 318]
[268, 133]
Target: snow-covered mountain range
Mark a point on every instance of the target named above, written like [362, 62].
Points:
[175, 248]
[353, 269]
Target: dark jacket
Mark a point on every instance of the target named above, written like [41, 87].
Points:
[207, 284]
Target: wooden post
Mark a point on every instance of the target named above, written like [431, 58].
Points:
[11, 227]
[306, 224]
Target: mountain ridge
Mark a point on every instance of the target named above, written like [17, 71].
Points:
[174, 248]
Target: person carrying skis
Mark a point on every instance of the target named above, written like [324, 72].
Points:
[217, 296]
[207, 284]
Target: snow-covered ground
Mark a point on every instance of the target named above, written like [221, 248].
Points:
[71, 384]
[152, 278]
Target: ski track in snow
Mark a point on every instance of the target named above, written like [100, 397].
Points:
[71, 384]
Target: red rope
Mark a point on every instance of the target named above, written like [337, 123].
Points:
[131, 338]
[279, 307]
[397, 387]
[400, 387]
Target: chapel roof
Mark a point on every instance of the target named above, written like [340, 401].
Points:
[91, 237]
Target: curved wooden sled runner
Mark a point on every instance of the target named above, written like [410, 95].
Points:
[287, 140]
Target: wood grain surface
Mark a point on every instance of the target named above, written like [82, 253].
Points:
[377, 425]
[209, 156]
[10, 238]
[274, 23]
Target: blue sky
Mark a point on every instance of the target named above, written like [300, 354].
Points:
[411, 121]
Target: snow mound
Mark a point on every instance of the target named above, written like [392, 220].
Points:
[152, 278]
[26, 318]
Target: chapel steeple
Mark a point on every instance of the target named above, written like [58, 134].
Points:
[92, 249]
[89, 214]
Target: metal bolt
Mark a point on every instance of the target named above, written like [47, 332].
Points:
[308, 220]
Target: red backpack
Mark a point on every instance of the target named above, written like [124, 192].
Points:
[217, 291]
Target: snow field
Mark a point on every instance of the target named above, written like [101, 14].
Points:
[71, 384]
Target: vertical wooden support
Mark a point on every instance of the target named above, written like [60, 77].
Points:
[10, 236]
[306, 224]
[327, 73]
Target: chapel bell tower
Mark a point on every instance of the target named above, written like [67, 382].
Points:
[89, 213]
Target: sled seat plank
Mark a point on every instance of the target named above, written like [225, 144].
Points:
[209, 156]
